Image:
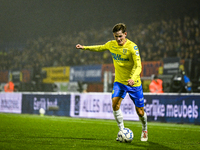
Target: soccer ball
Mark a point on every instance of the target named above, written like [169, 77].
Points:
[125, 135]
[42, 111]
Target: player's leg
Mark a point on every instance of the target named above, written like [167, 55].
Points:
[116, 102]
[117, 96]
[143, 119]
[138, 100]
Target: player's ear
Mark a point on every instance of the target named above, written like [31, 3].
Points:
[125, 33]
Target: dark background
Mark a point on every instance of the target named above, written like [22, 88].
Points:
[28, 19]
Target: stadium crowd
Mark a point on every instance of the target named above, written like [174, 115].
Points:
[173, 38]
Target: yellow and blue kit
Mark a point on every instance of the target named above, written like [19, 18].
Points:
[127, 63]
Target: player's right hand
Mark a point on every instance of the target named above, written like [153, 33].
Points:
[130, 82]
[79, 46]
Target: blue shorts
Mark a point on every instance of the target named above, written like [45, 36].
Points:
[135, 93]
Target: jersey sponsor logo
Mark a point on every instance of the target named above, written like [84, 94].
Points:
[135, 48]
[118, 57]
[124, 51]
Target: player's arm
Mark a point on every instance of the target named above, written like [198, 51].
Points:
[96, 48]
[137, 68]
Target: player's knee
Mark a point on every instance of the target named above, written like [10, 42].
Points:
[116, 104]
[115, 107]
[140, 112]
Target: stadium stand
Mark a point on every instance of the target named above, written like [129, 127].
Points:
[157, 40]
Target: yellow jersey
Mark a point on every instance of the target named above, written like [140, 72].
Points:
[126, 59]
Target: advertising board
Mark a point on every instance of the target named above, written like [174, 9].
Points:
[179, 108]
[53, 104]
[90, 73]
[56, 74]
[99, 105]
[10, 102]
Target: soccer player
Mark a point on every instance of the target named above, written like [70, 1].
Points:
[128, 67]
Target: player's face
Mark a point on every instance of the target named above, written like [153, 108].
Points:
[120, 37]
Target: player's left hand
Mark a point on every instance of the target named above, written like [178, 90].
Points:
[130, 82]
[79, 46]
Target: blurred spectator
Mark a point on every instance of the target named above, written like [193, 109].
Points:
[9, 87]
[166, 38]
[187, 82]
[156, 85]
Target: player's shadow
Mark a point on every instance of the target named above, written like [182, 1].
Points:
[146, 145]
[151, 145]
[80, 138]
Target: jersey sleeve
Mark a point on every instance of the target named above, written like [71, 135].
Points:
[97, 48]
[137, 67]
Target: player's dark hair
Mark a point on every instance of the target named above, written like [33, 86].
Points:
[118, 27]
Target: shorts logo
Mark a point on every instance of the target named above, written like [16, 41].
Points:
[135, 48]
[124, 51]
[141, 99]
[112, 91]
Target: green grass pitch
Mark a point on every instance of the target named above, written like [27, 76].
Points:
[33, 132]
